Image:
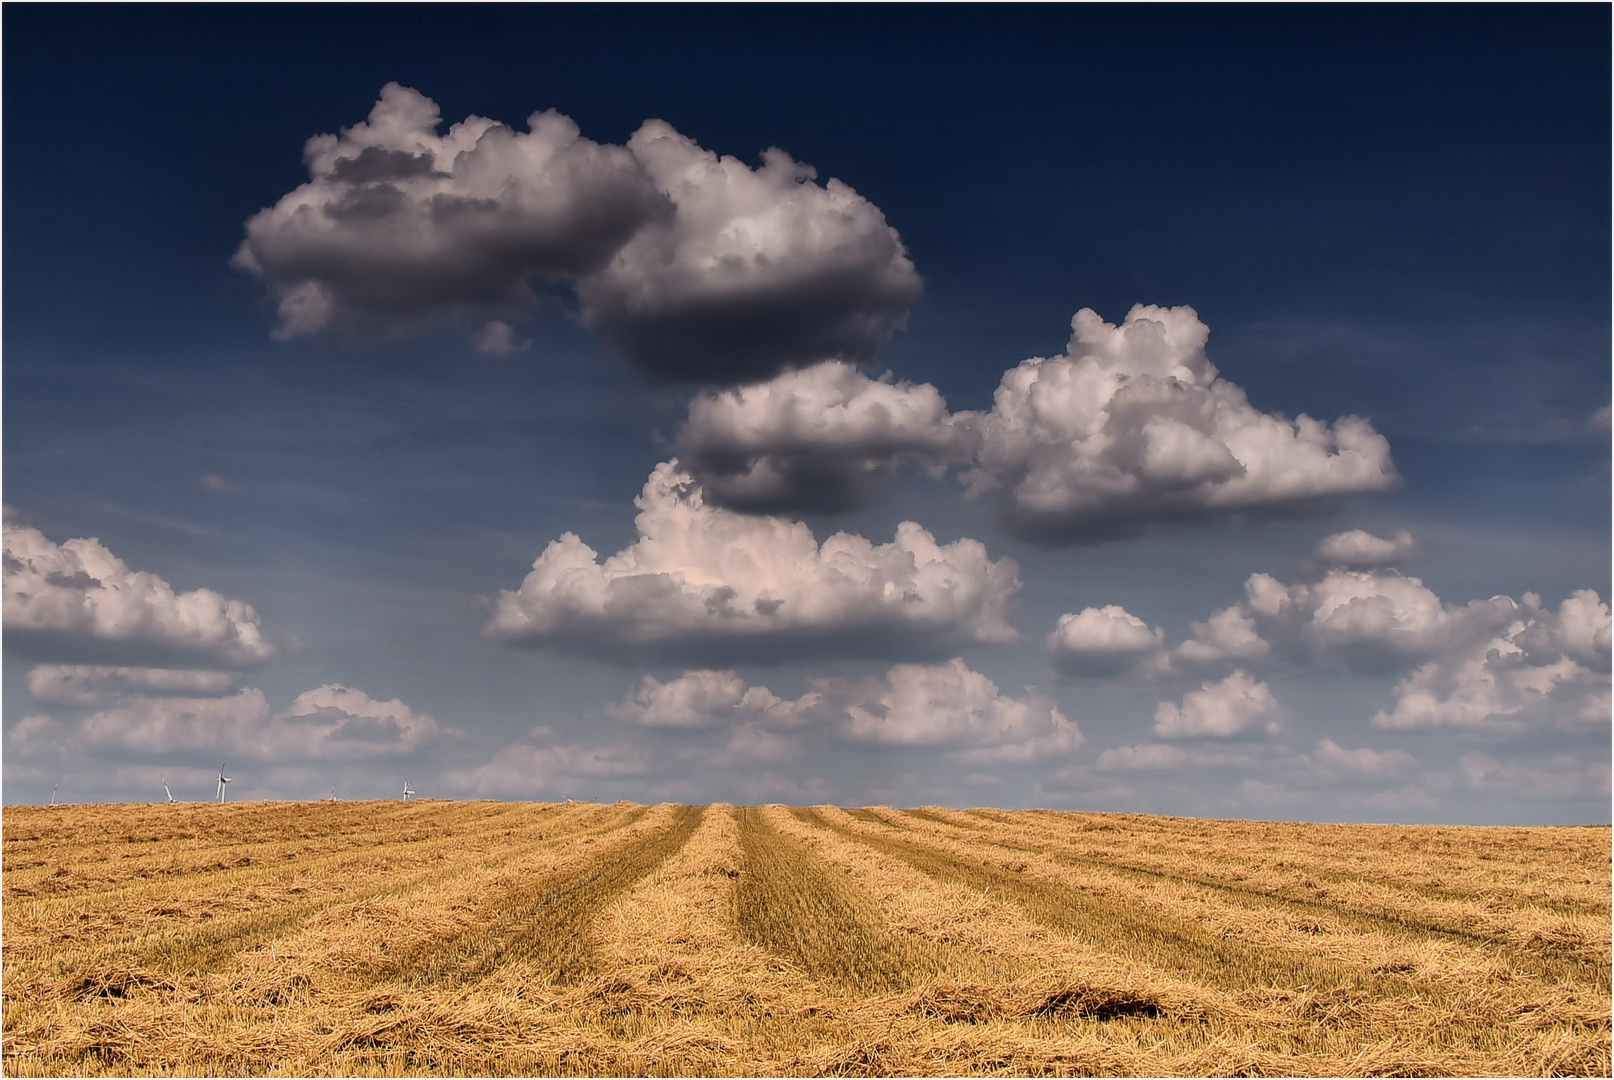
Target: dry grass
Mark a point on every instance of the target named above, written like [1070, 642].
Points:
[481, 938]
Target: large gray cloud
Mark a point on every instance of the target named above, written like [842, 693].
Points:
[703, 582]
[398, 223]
[823, 438]
[695, 266]
[757, 269]
[76, 602]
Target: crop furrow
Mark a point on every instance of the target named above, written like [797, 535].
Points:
[203, 947]
[1151, 937]
[542, 924]
[793, 903]
[1552, 963]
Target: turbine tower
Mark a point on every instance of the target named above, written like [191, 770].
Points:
[222, 778]
[53, 794]
[170, 794]
[408, 792]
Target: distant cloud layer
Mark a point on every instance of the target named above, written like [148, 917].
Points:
[1498, 664]
[331, 723]
[1133, 425]
[77, 602]
[947, 706]
[701, 581]
[695, 266]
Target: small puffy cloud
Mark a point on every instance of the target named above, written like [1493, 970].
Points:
[695, 266]
[1359, 549]
[1237, 705]
[89, 684]
[332, 722]
[1111, 641]
[947, 705]
[78, 602]
[819, 439]
[335, 721]
[1133, 425]
[702, 699]
[36, 735]
[1103, 641]
[398, 222]
[952, 705]
[214, 484]
[1365, 763]
[1230, 635]
[497, 338]
[757, 270]
[700, 580]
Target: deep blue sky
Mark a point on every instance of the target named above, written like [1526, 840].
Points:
[1399, 213]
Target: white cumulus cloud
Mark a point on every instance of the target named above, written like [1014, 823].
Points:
[1104, 641]
[1237, 705]
[821, 438]
[703, 699]
[76, 601]
[701, 579]
[1133, 424]
[1228, 635]
[338, 721]
[1540, 668]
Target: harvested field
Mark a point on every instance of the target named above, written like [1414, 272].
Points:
[390, 938]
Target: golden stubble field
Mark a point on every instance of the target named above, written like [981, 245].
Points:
[387, 938]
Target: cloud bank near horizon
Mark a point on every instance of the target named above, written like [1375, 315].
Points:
[1499, 665]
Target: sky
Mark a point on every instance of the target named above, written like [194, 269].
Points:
[1191, 410]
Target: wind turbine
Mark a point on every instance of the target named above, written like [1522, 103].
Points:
[408, 792]
[53, 794]
[170, 794]
[222, 778]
